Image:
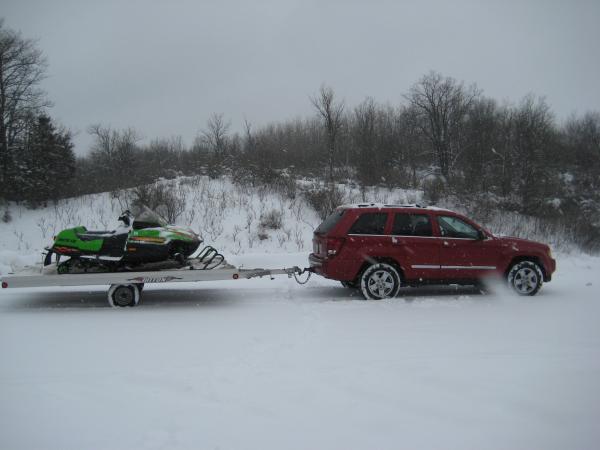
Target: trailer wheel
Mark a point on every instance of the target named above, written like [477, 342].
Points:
[121, 295]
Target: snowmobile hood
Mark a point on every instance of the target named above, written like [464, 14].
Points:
[186, 232]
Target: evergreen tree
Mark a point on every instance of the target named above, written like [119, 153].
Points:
[47, 162]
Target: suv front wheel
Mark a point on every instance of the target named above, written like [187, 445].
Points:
[525, 278]
[380, 281]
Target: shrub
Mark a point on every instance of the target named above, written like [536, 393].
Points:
[286, 185]
[433, 189]
[165, 199]
[323, 199]
[272, 220]
[6, 217]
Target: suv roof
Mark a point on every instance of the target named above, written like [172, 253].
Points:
[388, 206]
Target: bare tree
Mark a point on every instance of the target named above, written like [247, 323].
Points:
[22, 68]
[250, 142]
[443, 104]
[331, 112]
[215, 136]
[482, 134]
[533, 137]
[582, 135]
[114, 152]
[364, 134]
[411, 142]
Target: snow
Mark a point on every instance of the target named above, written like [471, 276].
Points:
[270, 364]
[555, 203]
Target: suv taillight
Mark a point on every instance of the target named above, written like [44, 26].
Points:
[334, 245]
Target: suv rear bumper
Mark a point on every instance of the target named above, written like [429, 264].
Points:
[333, 268]
[323, 266]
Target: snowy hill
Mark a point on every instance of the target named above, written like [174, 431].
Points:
[228, 217]
[270, 364]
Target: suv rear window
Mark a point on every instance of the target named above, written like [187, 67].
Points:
[412, 225]
[369, 223]
[330, 221]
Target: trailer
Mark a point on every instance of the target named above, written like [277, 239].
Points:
[125, 288]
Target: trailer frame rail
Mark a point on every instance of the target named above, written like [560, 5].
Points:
[125, 287]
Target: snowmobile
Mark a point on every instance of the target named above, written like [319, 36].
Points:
[139, 240]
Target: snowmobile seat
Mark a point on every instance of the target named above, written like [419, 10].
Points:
[95, 235]
[114, 245]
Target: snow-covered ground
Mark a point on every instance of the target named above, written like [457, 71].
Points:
[261, 364]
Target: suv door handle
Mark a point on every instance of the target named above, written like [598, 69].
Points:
[446, 244]
[398, 241]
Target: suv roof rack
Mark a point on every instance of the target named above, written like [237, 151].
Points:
[387, 205]
[382, 205]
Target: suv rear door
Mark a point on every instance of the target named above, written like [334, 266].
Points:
[366, 236]
[414, 245]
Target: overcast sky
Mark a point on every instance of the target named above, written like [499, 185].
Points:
[163, 67]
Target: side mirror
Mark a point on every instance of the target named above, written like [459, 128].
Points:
[481, 236]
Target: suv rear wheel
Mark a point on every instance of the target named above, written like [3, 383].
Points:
[525, 278]
[380, 281]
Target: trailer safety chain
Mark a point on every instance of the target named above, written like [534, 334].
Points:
[296, 274]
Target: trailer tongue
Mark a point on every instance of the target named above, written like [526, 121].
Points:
[125, 287]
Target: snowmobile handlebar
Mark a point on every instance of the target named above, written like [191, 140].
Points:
[126, 217]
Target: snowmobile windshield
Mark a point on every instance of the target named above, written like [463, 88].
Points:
[146, 218]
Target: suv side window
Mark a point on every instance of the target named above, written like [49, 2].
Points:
[412, 225]
[369, 223]
[455, 228]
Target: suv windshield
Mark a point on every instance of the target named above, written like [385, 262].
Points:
[330, 222]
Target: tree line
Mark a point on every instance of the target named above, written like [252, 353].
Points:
[446, 137]
[36, 156]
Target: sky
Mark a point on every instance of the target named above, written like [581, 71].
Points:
[163, 67]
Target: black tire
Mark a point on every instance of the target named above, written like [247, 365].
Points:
[349, 284]
[380, 281]
[525, 278]
[63, 268]
[122, 295]
[66, 266]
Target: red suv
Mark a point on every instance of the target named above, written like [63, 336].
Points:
[379, 248]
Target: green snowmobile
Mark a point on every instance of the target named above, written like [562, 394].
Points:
[138, 241]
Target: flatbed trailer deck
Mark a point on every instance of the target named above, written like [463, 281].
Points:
[125, 287]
